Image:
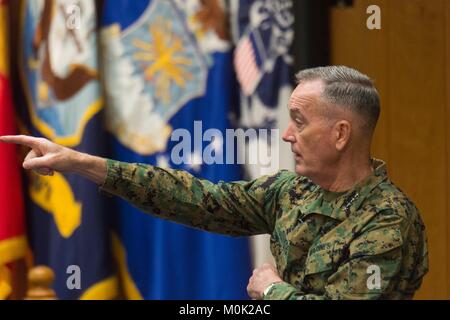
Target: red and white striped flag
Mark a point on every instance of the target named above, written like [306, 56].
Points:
[247, 70]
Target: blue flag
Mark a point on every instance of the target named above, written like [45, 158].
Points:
[263, 32]
[68, 229]
[168, 66]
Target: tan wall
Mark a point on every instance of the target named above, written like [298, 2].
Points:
[409, 58]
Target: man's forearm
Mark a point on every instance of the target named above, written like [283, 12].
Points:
[234, 208]
[92, 167]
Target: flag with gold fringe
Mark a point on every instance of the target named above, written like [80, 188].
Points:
[59, 69]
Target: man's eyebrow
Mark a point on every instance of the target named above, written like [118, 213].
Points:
[295, 112]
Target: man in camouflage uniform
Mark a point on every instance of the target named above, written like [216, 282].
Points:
[340, 229]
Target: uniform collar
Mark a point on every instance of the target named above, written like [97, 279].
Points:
[339, 205]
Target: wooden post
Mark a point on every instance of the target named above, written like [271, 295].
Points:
[40, 280]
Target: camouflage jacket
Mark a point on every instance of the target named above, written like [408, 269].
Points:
[366, 243]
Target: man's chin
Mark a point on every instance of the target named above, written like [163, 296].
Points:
[299, 169]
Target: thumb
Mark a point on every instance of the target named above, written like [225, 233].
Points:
[37, 163]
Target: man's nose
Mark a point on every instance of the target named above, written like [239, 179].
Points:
[287, 135]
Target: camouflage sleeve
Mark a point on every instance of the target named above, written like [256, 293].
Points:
[370, 272]
[234, 208]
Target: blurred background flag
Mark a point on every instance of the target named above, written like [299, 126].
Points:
[12, 230]
[263, 33]
[168, 64]
[68, 227]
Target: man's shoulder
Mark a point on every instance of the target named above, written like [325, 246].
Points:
[285, 185]
[389, 199]
[280, 178]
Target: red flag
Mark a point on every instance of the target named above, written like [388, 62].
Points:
[12, 230]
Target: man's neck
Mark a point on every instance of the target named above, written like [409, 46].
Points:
[346, 175]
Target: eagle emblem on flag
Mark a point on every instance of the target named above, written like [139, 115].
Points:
[60, 66]
[153, 68]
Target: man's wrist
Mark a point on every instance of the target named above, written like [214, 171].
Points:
[92, 167]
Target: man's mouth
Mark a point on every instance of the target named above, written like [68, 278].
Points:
[296, 154]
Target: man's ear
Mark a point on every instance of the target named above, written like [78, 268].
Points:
[342, 131]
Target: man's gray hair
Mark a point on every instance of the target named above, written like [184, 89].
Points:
[348, 88]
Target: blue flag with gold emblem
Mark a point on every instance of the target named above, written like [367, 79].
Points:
[68, 229]
[168, 67]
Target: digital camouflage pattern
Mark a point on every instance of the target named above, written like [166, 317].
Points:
[325, 243]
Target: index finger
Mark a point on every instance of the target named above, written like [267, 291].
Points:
[28, 141]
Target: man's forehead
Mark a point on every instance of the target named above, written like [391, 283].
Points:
[305, 94]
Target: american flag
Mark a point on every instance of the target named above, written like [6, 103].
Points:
[245, 64]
